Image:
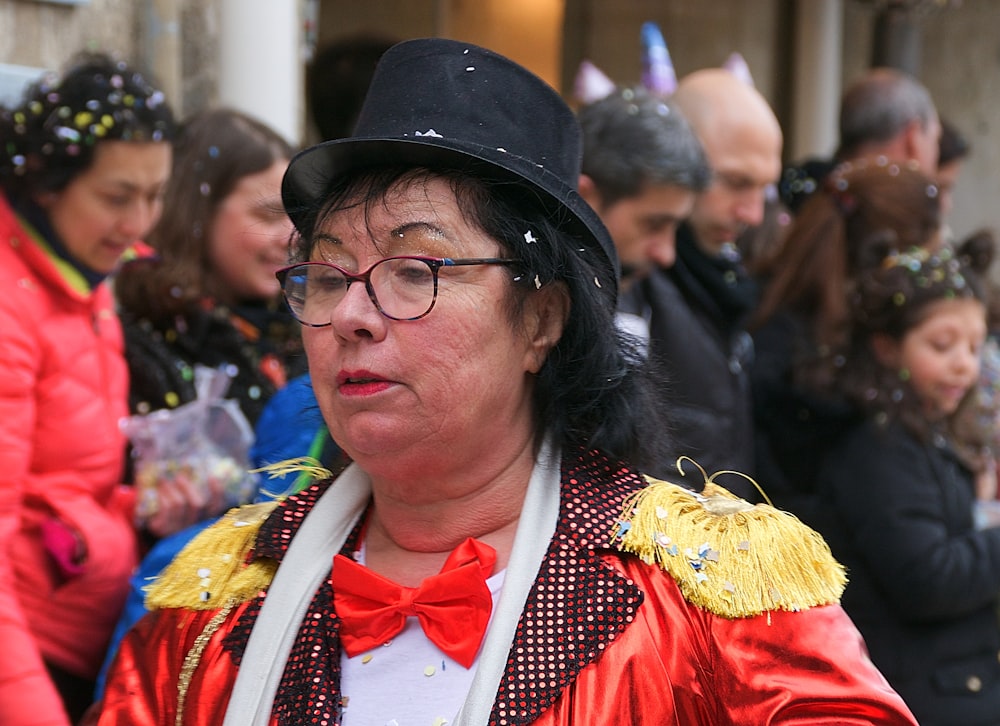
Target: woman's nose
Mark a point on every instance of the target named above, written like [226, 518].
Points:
[355, 314]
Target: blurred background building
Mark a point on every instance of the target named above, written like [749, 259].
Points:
[253, 54]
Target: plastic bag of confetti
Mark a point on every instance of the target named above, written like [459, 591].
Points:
[202, 446]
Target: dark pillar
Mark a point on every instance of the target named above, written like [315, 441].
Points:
[897, 39]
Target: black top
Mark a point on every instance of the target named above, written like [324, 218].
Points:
[696, 311]
[259, 347]
[923, 582]
[794, 427]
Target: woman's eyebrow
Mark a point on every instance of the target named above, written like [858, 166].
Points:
[324, 237]
[417, 226]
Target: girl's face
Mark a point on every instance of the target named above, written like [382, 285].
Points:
[249, 237]
[941, 354]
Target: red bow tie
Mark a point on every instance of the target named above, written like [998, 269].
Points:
[453, 607]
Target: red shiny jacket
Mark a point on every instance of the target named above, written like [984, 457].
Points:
[603, 638]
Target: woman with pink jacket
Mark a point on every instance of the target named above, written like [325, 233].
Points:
[83, 164]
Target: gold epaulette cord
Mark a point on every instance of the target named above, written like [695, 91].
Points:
[213, 571]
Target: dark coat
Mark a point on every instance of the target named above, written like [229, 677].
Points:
[260, 348]
[794, 428]
[695, 312]
[923, 582]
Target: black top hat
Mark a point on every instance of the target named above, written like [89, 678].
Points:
[443, 104]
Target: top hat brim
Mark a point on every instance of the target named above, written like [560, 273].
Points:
[312, 172]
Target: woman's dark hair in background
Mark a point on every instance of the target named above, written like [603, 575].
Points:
[594, 390]
[952, 146]
[862, 213]
[979, 251]
[50, 137]
[214, 151]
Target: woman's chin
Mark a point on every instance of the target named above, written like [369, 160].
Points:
[380, 446]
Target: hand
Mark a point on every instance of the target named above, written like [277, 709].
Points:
[986, 481]
[65, 546]
[179, 502]
[182, 500]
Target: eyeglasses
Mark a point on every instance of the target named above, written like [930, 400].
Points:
[402, 288]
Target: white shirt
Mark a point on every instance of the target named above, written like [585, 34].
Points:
[407, 681]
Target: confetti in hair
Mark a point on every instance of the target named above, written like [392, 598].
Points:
[50, 137]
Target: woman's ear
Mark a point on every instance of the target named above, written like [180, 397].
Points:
[886, 350]
[545, 314]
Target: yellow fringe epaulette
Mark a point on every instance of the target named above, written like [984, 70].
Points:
[728, 556]
[212, 570]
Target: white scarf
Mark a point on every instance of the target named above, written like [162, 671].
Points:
[307, 563]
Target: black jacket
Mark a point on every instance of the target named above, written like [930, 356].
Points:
[923, 582]
[695, 312]
[162, 355]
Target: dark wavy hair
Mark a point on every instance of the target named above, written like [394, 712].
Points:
[214, 151]
[891, 300]
[50, 137]
[594, 389]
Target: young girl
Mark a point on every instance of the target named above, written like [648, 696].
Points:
[861, 213]
[899, 496]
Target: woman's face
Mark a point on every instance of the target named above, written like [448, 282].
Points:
[249, 237]
[112, 204]
[452, 389]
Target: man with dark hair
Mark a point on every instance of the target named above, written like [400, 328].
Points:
[643, 166]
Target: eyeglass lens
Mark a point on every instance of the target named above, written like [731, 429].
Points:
[402, 288]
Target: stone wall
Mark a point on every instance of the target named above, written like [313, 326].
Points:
[45, 34]
[38, 34]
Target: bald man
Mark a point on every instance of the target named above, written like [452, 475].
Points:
[742, 139]
[696, 308]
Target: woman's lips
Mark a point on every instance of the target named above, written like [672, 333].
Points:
[117, 248]
[361, 383]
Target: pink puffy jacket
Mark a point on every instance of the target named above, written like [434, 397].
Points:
[63, 389]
